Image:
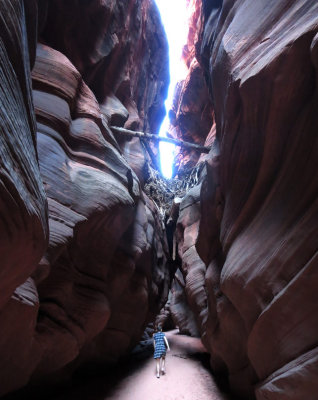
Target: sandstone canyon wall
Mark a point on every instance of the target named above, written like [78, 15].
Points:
[248, 233]
[84, 259]
[83, 252]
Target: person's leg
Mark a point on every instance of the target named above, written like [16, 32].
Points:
[163, 370]
[157, 366]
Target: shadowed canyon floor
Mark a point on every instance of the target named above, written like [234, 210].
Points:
[186, 378]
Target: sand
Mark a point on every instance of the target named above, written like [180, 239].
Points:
[187, 377]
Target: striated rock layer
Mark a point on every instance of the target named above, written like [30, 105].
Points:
[191, 114]
[84, 255]
[120, 49]
[253, 226]
[23, 208]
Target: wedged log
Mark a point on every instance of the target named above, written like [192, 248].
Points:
[156, 138]
[23, 210]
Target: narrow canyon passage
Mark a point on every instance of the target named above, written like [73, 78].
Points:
[187, 377]
[98, 248]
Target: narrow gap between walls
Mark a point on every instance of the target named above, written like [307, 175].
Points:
[174, 16]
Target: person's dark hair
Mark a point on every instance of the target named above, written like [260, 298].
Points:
[157, 328]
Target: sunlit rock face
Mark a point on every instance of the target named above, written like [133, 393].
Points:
[23, 206]
[23, 214]
[191, 114]
[102, 229]
[257, 233]
[85, 261]
[121, 52]
[192, 119]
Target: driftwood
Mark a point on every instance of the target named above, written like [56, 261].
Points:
[149, 136]
[166, 191]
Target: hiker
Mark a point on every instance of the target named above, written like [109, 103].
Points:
[160, 344]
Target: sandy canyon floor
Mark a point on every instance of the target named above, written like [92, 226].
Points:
[187, 377]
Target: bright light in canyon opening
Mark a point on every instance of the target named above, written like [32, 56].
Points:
[174, 15]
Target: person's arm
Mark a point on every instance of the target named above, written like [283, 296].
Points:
[154, 342]
[167, 344]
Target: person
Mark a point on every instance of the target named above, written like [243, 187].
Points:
[160, 344]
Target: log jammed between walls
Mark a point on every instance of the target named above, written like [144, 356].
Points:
[150, 136]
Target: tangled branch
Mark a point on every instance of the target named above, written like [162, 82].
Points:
[162, 191]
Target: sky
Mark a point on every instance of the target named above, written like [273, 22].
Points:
[174, 16]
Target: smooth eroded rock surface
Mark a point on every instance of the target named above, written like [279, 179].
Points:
[257, 233]
[85, 300]
[23, 214]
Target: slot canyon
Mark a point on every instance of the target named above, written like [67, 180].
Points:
[91, 256]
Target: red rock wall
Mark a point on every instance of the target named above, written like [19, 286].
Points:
[86, 298]
[181, 313]
[23, 222]
[118, 49]
[257, 227]
[191, 114]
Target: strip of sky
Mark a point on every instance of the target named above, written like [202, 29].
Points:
[174, 17]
